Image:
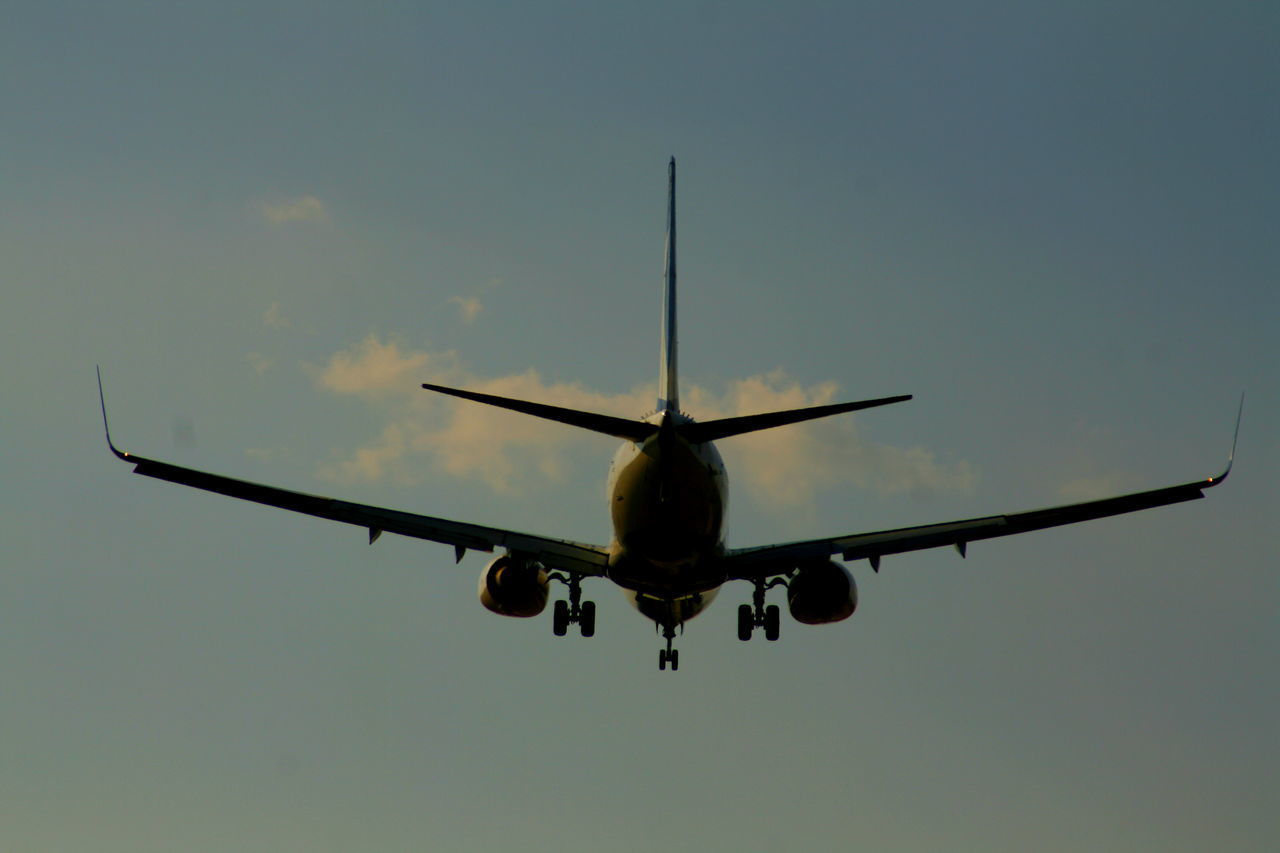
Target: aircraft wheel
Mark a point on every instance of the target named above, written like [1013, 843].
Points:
[587, 621]
[771, 622]
[746, 622]
[674, 657]
[662, 659]
[560, 618]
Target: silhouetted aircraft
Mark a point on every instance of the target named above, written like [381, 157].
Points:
[667, 491]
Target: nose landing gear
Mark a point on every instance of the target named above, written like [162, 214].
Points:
[669, 655]
[575, 611]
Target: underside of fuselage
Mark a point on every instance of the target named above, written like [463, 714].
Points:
[671, 610]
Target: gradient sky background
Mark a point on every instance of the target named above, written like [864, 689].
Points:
[1054, 223]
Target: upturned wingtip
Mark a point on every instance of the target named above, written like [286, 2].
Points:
[1231, 457]
[106, 429]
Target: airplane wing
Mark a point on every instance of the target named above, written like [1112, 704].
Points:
[769, 560]
[553, 553]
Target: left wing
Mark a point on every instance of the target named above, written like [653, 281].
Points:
[553, 553]
[769, 560]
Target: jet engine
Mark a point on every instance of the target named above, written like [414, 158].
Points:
[822, 593]
[511, 586]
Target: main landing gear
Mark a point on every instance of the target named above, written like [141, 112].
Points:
[756, 615]
[575, 611]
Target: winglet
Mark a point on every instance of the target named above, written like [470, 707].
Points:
[106, 429]
[1213, 481]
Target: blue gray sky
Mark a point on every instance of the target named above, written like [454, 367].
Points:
[1053, 223]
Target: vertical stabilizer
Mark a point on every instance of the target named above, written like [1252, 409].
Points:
[668, 393]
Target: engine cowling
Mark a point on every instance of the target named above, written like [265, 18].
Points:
[822, 593]
[510, 586]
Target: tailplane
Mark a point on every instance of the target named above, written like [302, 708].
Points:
[607, 424]
[725, 427]
[638, 431]
[668, 393]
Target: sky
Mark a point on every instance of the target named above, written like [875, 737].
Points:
[1054, 224]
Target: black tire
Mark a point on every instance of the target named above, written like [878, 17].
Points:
[772, 619]
[662, 659]
[746, 622]
[560, 618]
[674, 657]
[587, 619]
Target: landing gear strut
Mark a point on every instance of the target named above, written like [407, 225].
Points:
[669, 655]
[575, 611]
[756, 615]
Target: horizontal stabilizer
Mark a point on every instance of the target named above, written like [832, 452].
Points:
[607, 424]
[713, 430]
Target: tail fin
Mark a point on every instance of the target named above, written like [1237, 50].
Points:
[668, 392]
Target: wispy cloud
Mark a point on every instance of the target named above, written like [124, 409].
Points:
[1101, 485]
[308, 208]
[790, 466]
[374, 367]
[469, 307]
[275, 318]
[426, 434]
[258, 362]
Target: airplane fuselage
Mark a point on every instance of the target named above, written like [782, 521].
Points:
[667, 500]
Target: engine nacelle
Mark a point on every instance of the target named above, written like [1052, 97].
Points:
[510, 586]
[822, 593]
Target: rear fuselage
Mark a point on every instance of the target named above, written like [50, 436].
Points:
[667, 499]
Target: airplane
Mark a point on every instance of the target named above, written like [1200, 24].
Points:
[667, 492]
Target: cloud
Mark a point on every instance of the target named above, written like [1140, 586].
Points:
[258, 362]
[308, 208]
[427, 434]
[791, 465]
[373, 367]
[468, 306]
[274, 318]
[1104, 485]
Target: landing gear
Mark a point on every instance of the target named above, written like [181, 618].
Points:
[756, 615]
[669, 655]
[575, 611]
[771, 620]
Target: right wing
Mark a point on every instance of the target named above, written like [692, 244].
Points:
[552, 553]
[770, 560]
